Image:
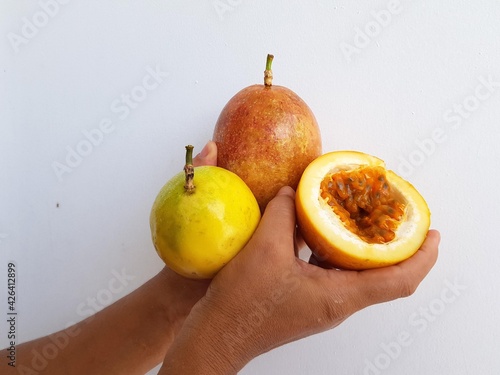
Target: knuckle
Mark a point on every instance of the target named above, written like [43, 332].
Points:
[406, 287]
[334, 309]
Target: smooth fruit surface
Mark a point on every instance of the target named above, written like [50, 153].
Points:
[267, 135]
[355, 214]
[197, 233]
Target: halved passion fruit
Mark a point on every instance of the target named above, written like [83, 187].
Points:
[355, 214]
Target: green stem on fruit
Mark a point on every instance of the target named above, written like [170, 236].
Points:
[189, 170]
[268, 73]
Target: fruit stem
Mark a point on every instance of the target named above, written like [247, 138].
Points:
[189, 170]
[268, 73]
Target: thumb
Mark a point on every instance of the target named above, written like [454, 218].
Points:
[207, 156]
[276, 230]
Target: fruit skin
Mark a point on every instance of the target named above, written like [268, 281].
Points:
[267, 135]
[332, 243]
[197, 234]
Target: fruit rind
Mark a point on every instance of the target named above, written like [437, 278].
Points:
[269, 147]
[326, 235]
[196, 234]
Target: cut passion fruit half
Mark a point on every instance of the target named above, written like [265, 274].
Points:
[355, 214]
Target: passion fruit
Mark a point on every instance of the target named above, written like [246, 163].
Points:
[267, 135]
[355, 214]
[200, 221]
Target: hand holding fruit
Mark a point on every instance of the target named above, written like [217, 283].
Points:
[266, 297]
[352, 212]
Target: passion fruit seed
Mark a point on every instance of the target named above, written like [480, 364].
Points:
[363, 200]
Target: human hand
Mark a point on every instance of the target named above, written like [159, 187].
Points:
[266, 297]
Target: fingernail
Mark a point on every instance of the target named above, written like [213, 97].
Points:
[286, 190]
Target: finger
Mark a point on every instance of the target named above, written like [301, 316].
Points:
[276, 230]
[419, 265]
[207, 156]
[401, 280]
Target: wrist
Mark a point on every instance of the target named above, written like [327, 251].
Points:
[208, 344]
[177, 295]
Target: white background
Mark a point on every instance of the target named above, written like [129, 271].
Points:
[382, 77]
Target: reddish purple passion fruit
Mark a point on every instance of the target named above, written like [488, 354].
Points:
[267, 135]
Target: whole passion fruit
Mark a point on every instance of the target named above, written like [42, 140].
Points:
[199, 222]
[267, 135]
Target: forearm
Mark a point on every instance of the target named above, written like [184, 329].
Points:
[131, 336]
